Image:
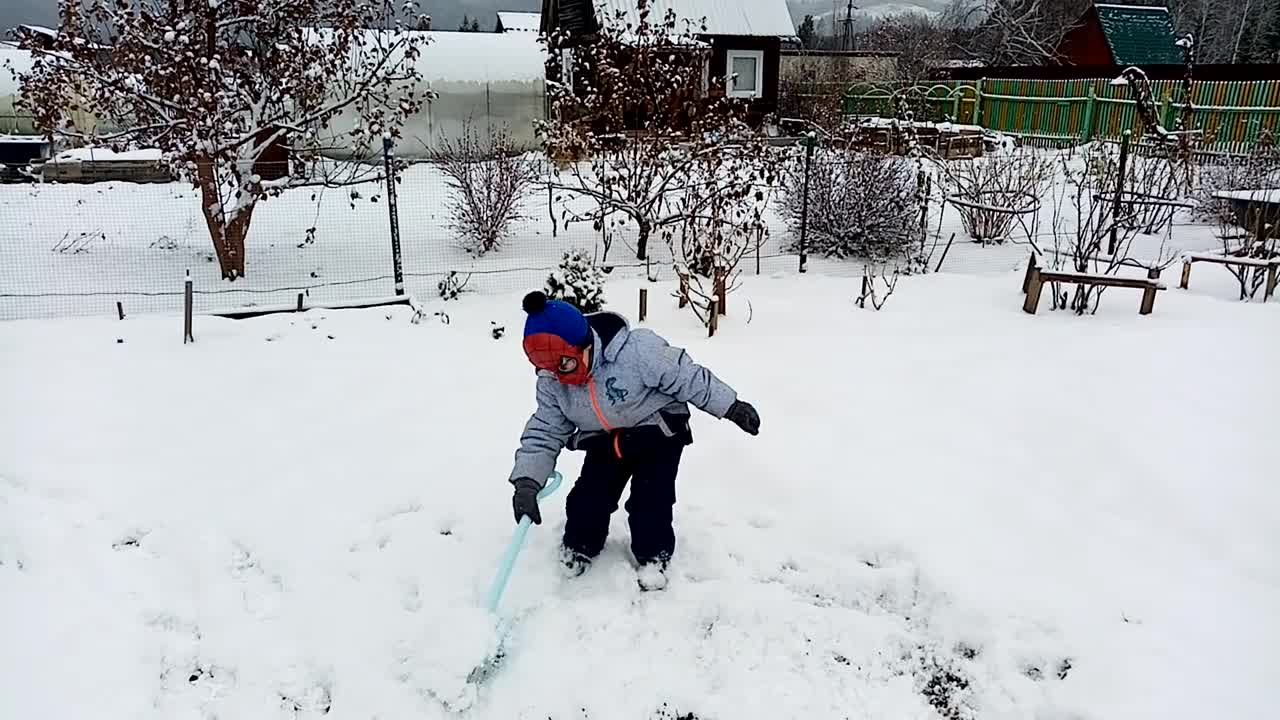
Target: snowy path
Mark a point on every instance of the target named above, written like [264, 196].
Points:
[953, 510]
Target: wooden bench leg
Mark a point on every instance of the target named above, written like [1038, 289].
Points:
[1149, 294]
[1148, 301]
[1034, 285]
[1026, 279]
[1186, 274]
[1271, 283]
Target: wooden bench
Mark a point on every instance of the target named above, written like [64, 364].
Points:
[1272, 266]
[1035, 279]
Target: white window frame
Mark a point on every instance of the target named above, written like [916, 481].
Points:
[728, 73]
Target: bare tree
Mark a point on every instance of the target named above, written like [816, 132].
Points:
[489, 180]
[220, 85]
[1015, 32]
[632, 100]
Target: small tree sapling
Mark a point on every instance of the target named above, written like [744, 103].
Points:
[578, 281]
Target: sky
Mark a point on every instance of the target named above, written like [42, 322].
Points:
[445, 14]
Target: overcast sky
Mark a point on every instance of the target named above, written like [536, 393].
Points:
[444, 13]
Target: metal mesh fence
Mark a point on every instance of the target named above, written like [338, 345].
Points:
[83, 244]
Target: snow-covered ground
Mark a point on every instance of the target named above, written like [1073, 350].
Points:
[78, 249]
[954, 509]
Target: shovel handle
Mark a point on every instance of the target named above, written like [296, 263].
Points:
[517, 542]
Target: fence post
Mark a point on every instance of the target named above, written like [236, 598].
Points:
[1166, 111]
[977, 102]
[1115, 205]
[1089, 115]
[187, 310]
[809, 142]
[393, 212]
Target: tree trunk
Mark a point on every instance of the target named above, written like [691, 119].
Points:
[642, 242]
[228, 237]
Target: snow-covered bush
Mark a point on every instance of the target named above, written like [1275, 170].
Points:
[1259, 169]
[722, 219]
[991, 191]
[489, 181]
[451, 287]
[861, 204]
[577, 281]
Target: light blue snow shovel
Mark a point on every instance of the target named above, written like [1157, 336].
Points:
[490, 664]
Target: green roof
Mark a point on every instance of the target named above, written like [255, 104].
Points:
[1139, 35]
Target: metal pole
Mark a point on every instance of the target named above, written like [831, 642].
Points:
[1115, 205]
[393, 212]
[187, 310]
[804, 203]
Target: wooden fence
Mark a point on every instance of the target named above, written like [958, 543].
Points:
[1060, 112]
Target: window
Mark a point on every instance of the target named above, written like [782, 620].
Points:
[746, 73]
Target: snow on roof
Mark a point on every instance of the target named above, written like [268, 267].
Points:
[480, 57]
[12, 59]
[101, 154]
[520, 21]
[766, 18]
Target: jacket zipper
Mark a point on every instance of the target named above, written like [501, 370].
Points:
[595, 405]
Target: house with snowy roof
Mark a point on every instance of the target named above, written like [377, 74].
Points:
[745, 37]
[517, 22]
[1118, 34]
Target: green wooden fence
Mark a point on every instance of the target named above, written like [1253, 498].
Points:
[1056, 112]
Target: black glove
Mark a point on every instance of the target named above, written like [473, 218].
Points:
[744, 416]
[525, 500]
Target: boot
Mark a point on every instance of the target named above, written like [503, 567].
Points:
[652, 575]
[572, 562]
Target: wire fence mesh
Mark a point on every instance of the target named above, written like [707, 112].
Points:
[82, 245]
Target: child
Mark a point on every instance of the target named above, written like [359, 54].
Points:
[622, 396]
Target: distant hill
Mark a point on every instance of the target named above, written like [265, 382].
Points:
[865, 11]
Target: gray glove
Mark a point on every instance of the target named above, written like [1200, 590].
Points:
[525, 500]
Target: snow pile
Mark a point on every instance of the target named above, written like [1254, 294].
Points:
[954, 509]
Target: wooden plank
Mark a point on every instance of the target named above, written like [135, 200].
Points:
[1186, 274]
[1032, 303]
[1229, 260]
[1091, 279]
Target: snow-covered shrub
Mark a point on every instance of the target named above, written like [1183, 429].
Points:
[489, 181]
[1153, 184]
[991, 191]
[1259, 169]
[451, 286]
[577, 281]
[1088, 237]
[861, 204]
[721, 221]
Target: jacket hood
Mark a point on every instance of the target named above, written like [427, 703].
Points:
[609, 331]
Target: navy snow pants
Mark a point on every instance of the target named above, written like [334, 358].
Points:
[649, 461]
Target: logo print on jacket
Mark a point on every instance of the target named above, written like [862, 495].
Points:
[615, 393]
